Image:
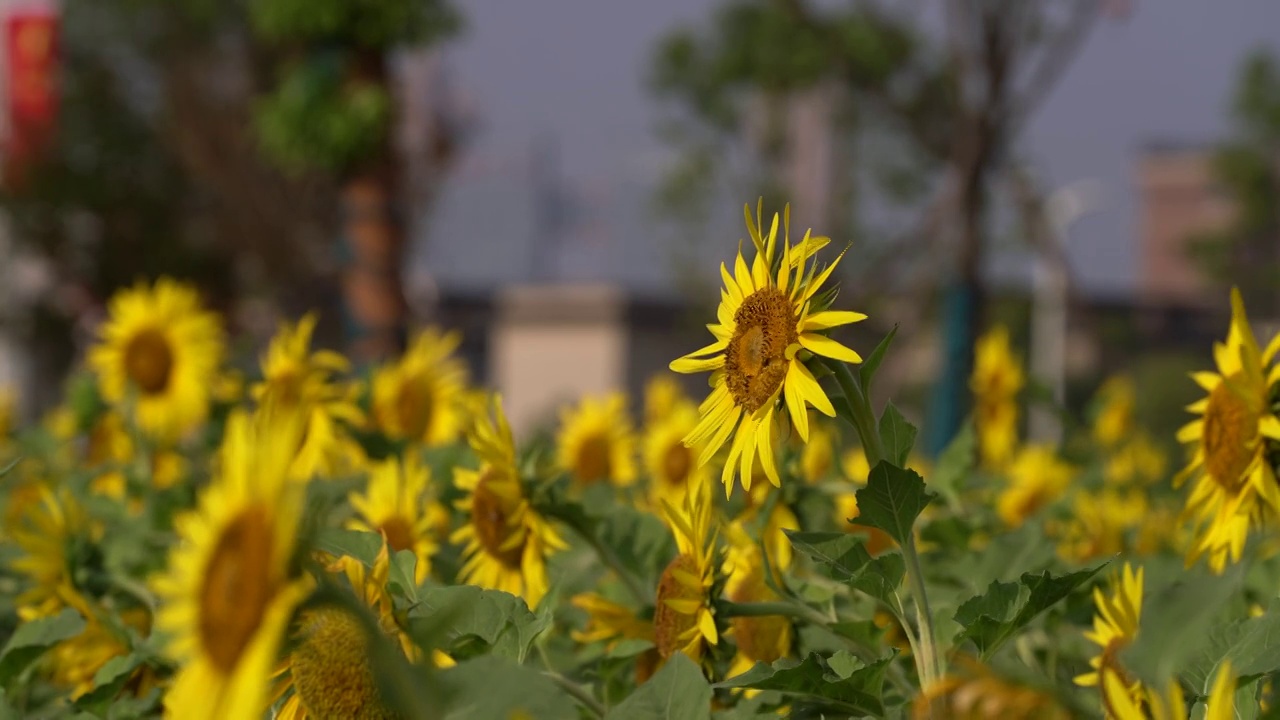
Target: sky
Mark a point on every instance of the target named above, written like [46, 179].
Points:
[577, 68]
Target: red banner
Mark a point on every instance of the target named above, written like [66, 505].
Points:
[31, 62]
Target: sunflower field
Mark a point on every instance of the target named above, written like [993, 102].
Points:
[311, 541]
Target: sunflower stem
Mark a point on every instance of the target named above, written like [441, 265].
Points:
[582, 696]
[859, 409]
[927, 659]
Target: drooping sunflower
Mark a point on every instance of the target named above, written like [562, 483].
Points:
[763, 639]
[596, 441]
[507, 541]
[1115, 625]
[50, 533]
[771, 322]
[683, 620]
[974, 691]
[997, 378]
[327, 673]
[1232, 484]
[160, 351]
[671, 466]
[296, 380]
[1037, 477]
[396, 505]
[421, 396]
[227, 596]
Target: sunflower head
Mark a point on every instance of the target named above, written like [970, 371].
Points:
[395, 504]
[758, 639]
[1099, 524]
[997, 372]
[53, 534]
[1115, 406]
[421, 396]
[227, 594]
[683, 620]
[771, 324]
[506, 540]
[1037, 477]
[157, 356]
[596, 441]
[1115, 625]
[671, 466]
[1232, 482]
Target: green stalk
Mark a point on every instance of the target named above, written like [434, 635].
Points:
[927, 664]
[584, 698]
[864, 419]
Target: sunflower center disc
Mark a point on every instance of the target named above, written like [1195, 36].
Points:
[755, 361]
[414, 407]
[237, 588]
[593, 459]
[399, 533]
[676, 464]
[489, 518]
[1230, 427]
[148, 360]
[330, 668]
[668, 624]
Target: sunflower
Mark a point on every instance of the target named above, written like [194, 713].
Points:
[771, 322]
[1114, 627]
[158, 355]
[52, 532]
[1037, 477]
[610, 622]
[327, 673]
[226, 597]
[1139, 460]
[111, 449]
[596, 441]
[683, 620]
[1220, 705]
[672, 466]
[662, 394]
[74, 663]
[763, 639]
[1115, 411]
[296, 380]
[975, 691]
[420, 397]
[395, 504]
[1228, 442]
[1099, 524]
[997, 379]
[507, 541]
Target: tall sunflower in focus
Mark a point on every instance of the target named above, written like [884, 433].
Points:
[159, 351]
[682, 617]
[1115, 625]
[997, 379]
[327, 673]
[296, 380]
[596, 441]
[395, 504]
[507, 541]
[421, 396]
[671, 466]
[1228, 468]
[771, 323]
[227, 595]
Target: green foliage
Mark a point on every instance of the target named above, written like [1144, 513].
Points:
[33, 638]
[315, 119]
[1177, 621]
[839, 684]
[372, 24]
[995, 616]
[498, 687]
[897, 435]
[843, 557]
[892, 500]
[499, 622]
[677, 692]
[867, 370]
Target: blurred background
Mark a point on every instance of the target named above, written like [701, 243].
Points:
[560, 180]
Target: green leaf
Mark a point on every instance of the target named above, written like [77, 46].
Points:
[1177, 619]
[7, 712]
[872, 363]
[404, 565]
[892, 500]
[497, 687]
[32, 638]
[841, 682]
[500, 620]
[677, 692]
[108, 680]
[844, 558]
[897, 435]
[1005, 608]
[363, 546]
[956, 462]
[882, 577]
